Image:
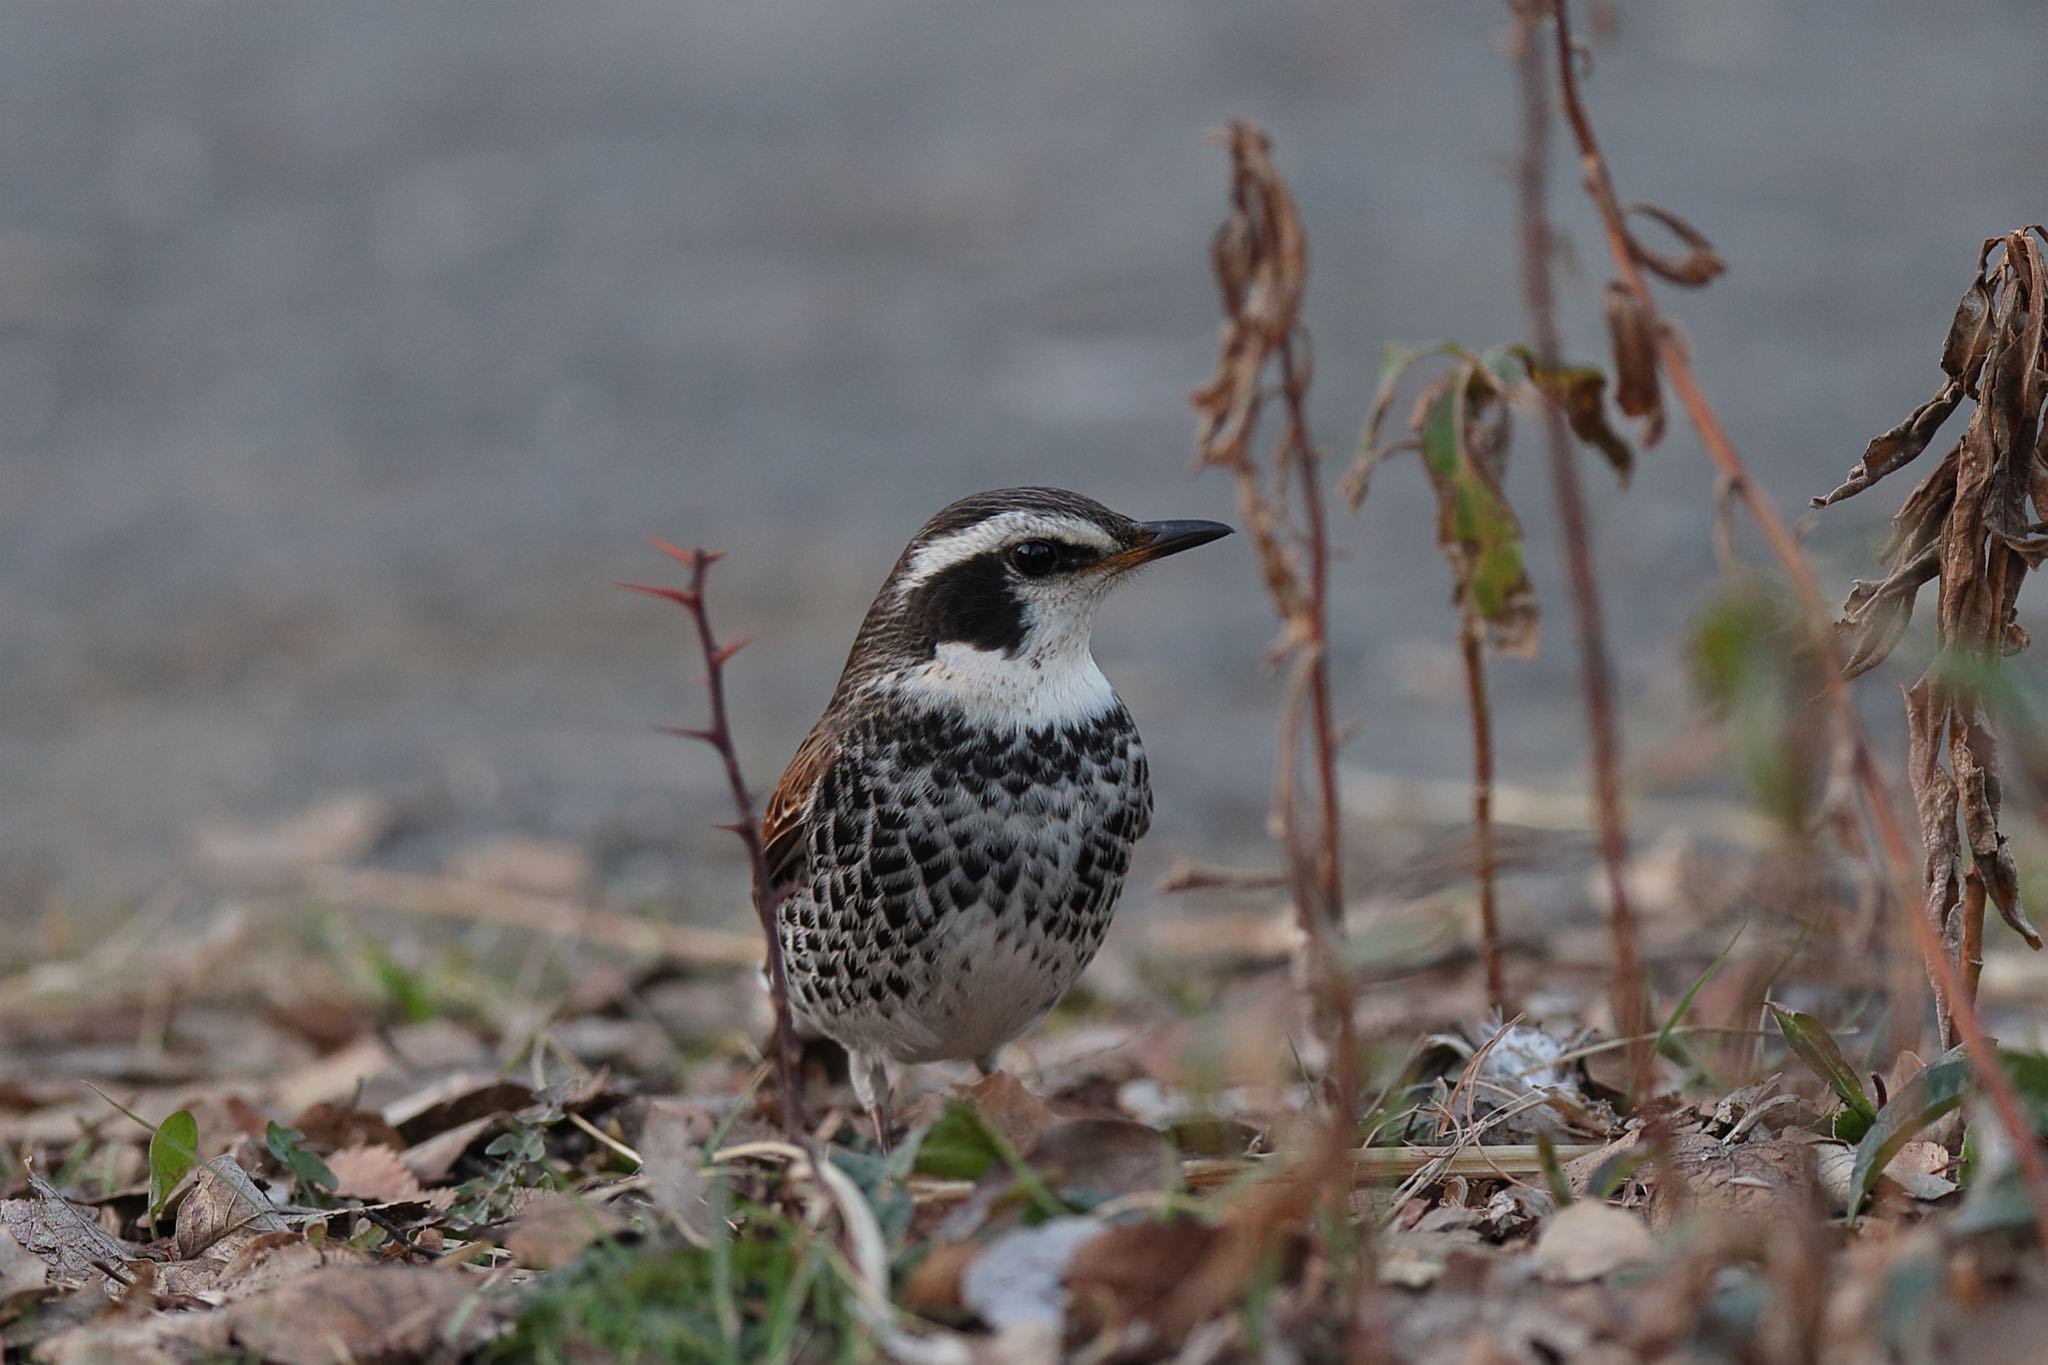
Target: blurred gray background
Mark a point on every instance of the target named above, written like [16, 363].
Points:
[347, 352]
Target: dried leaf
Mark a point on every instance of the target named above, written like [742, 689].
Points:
[21, 1270]
[361, 1313]
[224, 1200]
[672, 1160]
[1011, 1110]
[555, 1227]
[1699, 265]
[68, 1238]
[1585, 1241]
[1898, 447]
[1638, 392]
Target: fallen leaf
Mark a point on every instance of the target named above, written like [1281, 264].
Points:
[68, 1238]
[672, 1161]
[555, 1227]
[1011, 1110]
[1756, 1181]
[269, 1260]
[21, 1270]
[362, 1313]
[1585, 1241]
[933, 1286]
[223, 1201]
[377, 1175]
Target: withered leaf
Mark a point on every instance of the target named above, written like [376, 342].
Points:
[222, 1200]
[1898, 447]
[68, 1238]
[1700, 264]
[1588, 1240]
[1580, 391]
[361, 1313]
[554, 1227]
[1638, 391]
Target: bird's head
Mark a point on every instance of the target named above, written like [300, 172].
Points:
[992, 604]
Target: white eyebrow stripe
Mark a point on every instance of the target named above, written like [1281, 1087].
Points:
[957, 547]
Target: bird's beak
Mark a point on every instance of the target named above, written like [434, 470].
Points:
[1158, 539]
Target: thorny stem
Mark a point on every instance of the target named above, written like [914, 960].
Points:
[1482, 816]
[1631, 1008]
[1877, 796]
[718, 735]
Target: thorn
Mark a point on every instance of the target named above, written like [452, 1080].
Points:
[688, 732]
[698, 559]
[745, 832]
[676, 595]
[726, 651]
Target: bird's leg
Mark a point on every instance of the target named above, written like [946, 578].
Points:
[986, 1062]
[872, 1088]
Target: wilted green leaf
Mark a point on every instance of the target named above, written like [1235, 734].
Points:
[1475, 525]
[1580, 392]
[1815, 1046]
[173, 1150]
[288, 1146]
[1928, 1096]
[959, 1146]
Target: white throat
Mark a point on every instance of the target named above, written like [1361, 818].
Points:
[1052, 680]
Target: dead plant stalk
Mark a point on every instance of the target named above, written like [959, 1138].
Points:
[718, 735]
[1260, 257]
[1675, 364]
[1630, 1003]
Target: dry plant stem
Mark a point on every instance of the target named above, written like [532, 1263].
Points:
[1883, 809]
[1631, 1007]
[1971, 955]
[718, 734]
[1482, 816]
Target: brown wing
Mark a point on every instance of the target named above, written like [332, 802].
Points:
[785, 825]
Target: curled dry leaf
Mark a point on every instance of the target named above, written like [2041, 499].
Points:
[1632, 331]
[1700, 264]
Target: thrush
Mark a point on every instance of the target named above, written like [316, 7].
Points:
[951, 838]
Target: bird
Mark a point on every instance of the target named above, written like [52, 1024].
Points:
[950, 839]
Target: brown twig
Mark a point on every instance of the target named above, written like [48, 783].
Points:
[718, 734]
[1631, 1006]
[1676, 365]
[1473, 649]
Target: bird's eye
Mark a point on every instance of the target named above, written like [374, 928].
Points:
[1035, 558]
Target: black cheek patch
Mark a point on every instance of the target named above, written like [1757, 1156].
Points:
[971, 603]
